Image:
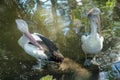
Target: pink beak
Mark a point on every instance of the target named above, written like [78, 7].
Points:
[99, 24]
[32, 40]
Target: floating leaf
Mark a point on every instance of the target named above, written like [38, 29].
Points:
[48, 77]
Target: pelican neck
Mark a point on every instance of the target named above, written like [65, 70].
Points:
[93, 26]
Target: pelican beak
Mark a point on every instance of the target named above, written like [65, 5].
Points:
[98, 23]
[32, 40]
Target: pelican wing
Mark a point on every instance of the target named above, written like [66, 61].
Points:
[34, 51]
[51, 46]
[53, 52]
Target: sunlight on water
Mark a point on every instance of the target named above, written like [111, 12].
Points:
[54, 20]
[47, 4]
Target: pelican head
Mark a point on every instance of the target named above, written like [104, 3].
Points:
[94, 12]
[22, 25]
[93, 15]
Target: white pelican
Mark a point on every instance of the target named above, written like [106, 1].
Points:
[37, 45]
[93, 42]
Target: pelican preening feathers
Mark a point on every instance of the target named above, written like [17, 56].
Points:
[37, 45]
[93, 43]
